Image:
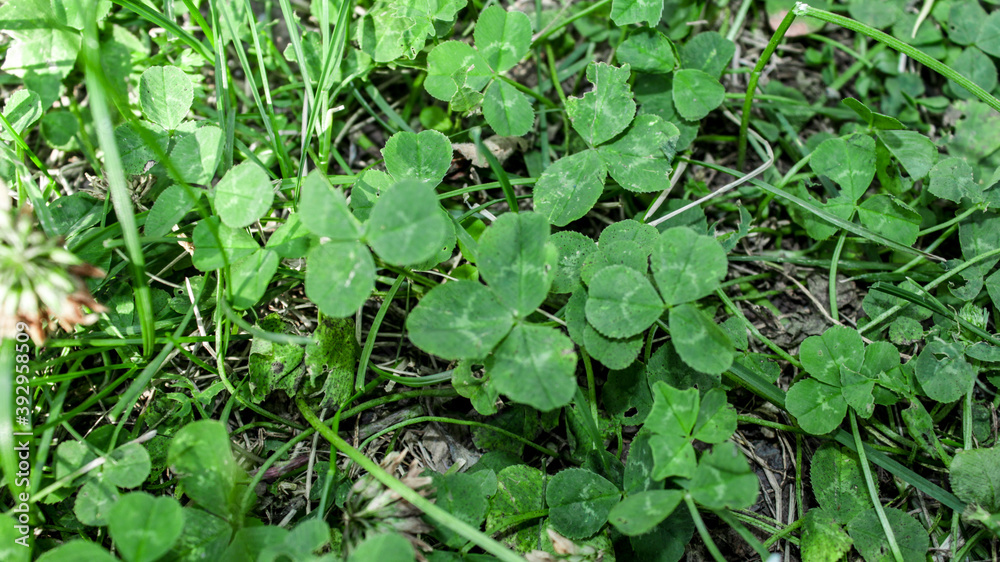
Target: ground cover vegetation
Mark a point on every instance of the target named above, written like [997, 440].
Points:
[399, 280]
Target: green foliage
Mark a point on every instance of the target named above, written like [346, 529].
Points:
[579, 502]
[458, 73]
[145, 527]
[273, 203]
[205, 467]
[638, 160]
[165, 95]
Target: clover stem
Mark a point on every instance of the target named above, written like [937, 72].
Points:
[591, 386]
[699, 523]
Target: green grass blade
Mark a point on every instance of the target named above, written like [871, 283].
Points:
[759, 386]
[828, 217]
[154, 17]
[498, 170]
[803, 9]
[436, 513]
[118, 190]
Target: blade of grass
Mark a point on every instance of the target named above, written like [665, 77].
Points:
[334, 48]
[758, 68]
[930, 303]
[501, 174]
[117, 187]
[436, 513]
[828, 217]
[373, 332]
[872, 490]
[267, 117]
[8, 460]
[149, 14]
[803, 9]
[391, 113]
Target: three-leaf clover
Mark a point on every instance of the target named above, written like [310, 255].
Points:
[466, 320]
[405, 225]
[457, 72]
[719, 479]
[620, 301]
[635, 151]
[844, 373]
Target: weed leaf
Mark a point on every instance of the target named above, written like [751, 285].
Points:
[640, 159]
[724, 479]
[622, 302]
[639, 513]
[647, 50]
[818, 407]
[696, 93]
[625, 12]
[243, 195]
[502, 37]
[201, 457]
[517, 261]
[454, 66]
[323, 210]
[506, 110]
[687, 265]
[423, 156]
[568, 188]
[165, 95]
[699, 341]
[975, 477]
[848, 162]
[871, 542]
[145, 527]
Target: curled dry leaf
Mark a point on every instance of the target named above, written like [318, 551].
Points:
[501, 147]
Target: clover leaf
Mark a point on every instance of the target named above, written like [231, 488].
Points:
[145, 527]
[531, 364]
[165, 95]
[696, 93]
[400, 28]
[457, 320]
[622, 302]
[606, 110]
[535, 365]
[517, 261]
[640, 512]
[687, 265]
[324, 209]
[579, 502]
[243, 195]
[625, 12]
[423, 156]
[457, 73]
[639, 159]
[406, 225]
[340, 276]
